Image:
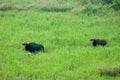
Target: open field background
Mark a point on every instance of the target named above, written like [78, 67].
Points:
[65, 29]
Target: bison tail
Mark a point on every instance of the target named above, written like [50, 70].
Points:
[43, 49]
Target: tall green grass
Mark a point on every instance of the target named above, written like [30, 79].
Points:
[68, 52]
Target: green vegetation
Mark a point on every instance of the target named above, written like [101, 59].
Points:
[65, 28]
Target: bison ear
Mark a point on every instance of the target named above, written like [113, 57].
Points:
[91, 39]
[24, 43]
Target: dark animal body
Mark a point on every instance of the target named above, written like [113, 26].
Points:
[33, 47]
[96, 42]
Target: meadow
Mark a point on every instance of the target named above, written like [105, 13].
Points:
[69, 54]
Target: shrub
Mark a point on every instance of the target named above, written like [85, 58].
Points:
[4, 7]
[116, 4]
[110, 71]
[55, 9]
[101, 1]
[95, 9]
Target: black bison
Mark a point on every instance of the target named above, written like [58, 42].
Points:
[96, 42]
[33, 47]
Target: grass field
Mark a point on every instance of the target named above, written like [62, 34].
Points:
[69, 54]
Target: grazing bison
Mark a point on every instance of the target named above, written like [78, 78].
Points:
[33, 47]
[96, 42]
